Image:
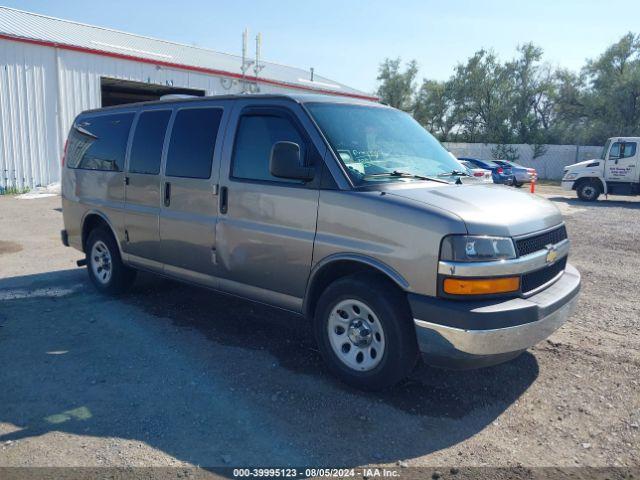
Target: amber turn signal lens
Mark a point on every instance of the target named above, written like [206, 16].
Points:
[482, 286]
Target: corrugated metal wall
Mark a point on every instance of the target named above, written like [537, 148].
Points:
[32, 93]
[29, 140]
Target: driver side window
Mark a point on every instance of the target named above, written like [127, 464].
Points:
[256, 135]
[614, 152]
[618, 151]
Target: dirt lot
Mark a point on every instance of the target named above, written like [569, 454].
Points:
[174, 375]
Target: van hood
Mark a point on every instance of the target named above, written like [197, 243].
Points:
[487, 209]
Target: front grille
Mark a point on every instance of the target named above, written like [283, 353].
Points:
[539, 242]
[533, 280]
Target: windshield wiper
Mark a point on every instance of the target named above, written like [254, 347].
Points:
[453, 173]
[397, 173]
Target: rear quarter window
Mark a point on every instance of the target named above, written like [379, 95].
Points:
[99, 142]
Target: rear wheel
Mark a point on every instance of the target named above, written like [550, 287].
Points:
[588, 190]
[518, 184]
[365, 332]
[104, 264]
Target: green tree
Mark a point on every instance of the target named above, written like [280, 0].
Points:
[612, 100]
[481, 99]
[524, 100]
[530, 95]
[434, 108]
[570, 118]
[397, 88]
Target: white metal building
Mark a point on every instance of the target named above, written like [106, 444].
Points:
[52, 69]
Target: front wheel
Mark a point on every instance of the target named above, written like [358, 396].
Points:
[518, 184]
[588, 191]
[365, 332]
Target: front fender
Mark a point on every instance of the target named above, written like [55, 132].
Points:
[364, 259]
[353, 258]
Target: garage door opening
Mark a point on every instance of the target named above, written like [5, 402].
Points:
[117, 92]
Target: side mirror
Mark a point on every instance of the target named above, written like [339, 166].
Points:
[286, 162]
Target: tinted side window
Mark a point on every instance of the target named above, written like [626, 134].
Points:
[146, 149]
[255, 137]
[100, 142]
[193, 140]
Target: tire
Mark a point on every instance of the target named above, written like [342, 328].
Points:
[588, 191]
[348, 309]
[518, 185]
[104, 264]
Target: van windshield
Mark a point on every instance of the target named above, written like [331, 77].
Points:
[377, 144]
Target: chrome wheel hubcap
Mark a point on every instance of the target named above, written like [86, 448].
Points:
[356, 335]
[589, 192]
[101, 262]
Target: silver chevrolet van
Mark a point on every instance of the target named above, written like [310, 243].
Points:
[346, 212]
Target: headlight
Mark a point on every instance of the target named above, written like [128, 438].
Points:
[471, 248]
[570, 176]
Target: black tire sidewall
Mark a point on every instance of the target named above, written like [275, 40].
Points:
[400, 352]
[581, 194]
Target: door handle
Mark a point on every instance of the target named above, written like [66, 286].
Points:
[167, 194]
[224, 200]
[126, 180]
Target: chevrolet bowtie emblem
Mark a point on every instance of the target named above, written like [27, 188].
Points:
[552, 253]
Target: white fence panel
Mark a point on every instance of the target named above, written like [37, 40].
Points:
[549, 165]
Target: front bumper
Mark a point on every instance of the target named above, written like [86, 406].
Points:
[567, 184]
[462, 334]
[504, 179]
[524, 177]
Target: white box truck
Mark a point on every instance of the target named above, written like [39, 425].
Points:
[615, 172]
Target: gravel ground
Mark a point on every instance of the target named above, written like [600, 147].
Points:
[172, 375]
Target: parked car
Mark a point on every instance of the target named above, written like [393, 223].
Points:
[617, 171]
[464, 174]
[345, 212]
[498, 173]
[520, 173]
[479, 174]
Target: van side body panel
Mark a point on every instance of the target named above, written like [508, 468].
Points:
[142, 201]
[265, 239]
[85, 190]
[366, 225]
[188, 222]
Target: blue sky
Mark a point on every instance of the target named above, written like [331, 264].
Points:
[346, 40]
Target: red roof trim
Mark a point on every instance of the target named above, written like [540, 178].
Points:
[212, 71]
